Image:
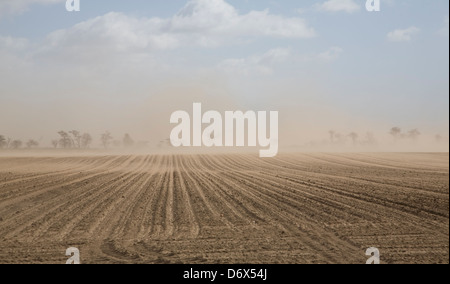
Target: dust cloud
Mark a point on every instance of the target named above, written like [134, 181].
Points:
[307, 122]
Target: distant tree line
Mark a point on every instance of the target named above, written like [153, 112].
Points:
[9, 143]
[369, 139]
[69, 140]
[337, 138]
[397, 133]
[74, 139]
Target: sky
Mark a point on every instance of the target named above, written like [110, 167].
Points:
[125, 66]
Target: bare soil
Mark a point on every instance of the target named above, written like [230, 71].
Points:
[302, 208]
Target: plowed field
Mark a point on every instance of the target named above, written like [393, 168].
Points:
[303, 208]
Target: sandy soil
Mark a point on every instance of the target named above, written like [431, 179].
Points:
[303, 208]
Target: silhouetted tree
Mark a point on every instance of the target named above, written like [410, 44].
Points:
[106, 139]
[396, 132]
[55, 143]
[354, 137]
[128, 141]
[65, 141]
[76, 140]
[86, 140]
[16, 144]
[414, 134]
[32, 143]
[7, 143]
[2, 141]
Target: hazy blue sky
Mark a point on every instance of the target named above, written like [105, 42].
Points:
[330, 58]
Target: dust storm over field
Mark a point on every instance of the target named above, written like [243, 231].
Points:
[360, 143]
[305, 122]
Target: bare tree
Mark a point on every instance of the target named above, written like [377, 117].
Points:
[106, 139]
[354, 137]
[86, 140]
[396, 132]
[16, 144]
[32, 143]
[55, 143]
[414, 134]
[76, 140]
[2, 141]
[65, 141]
[128, 141]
